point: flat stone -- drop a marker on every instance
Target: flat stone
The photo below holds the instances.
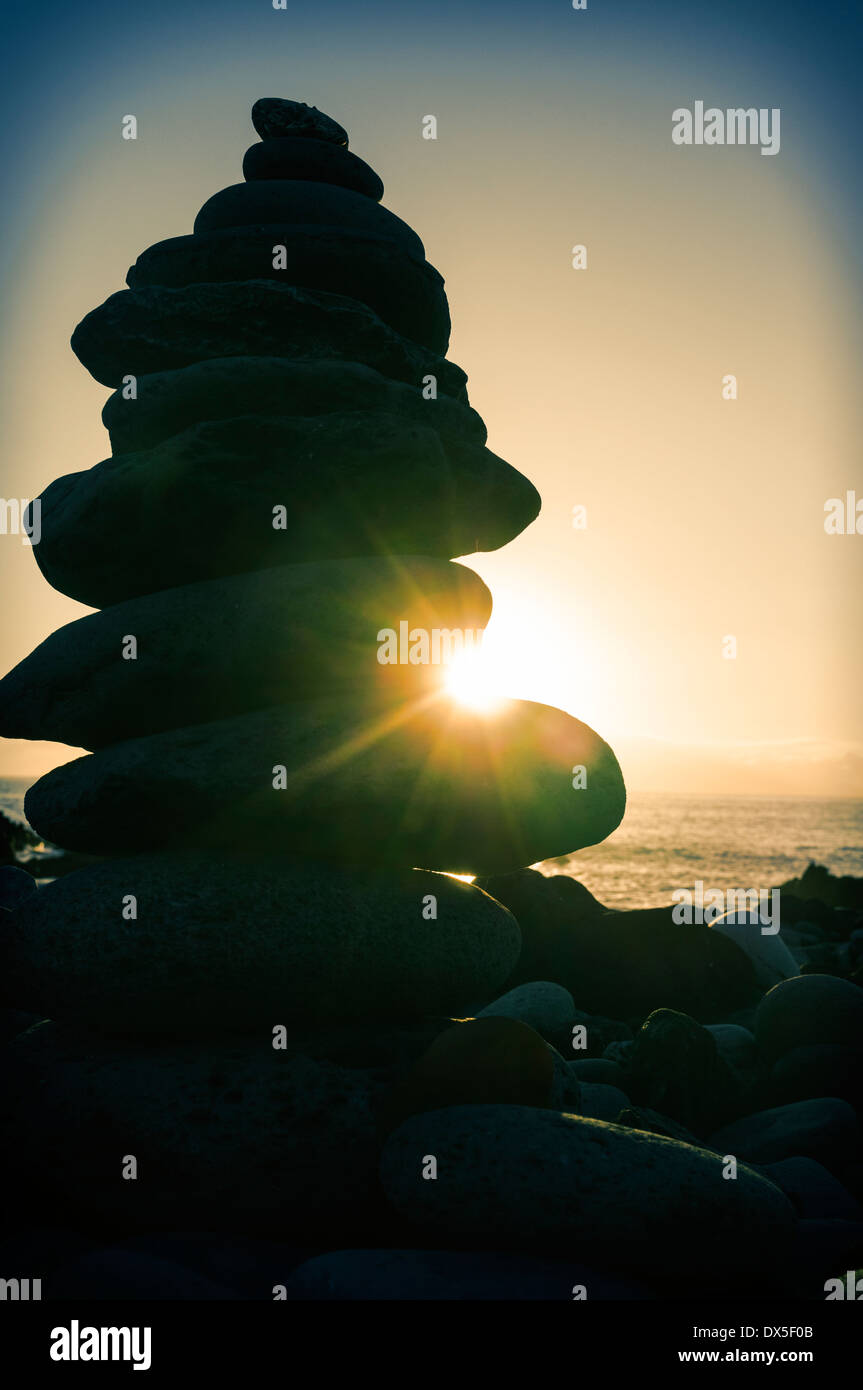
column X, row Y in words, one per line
column 161, row 327
column 302, row 203
column 301, row 157
column 407, row 293
column 536, row 1180
column 483, row 1061
column 348, row 484
column 222, row 945
column 207, row 651
column 274, row 117
column 454, row 1276
column 229, row 1136
column 441, row 787
column 809, row 1009
column 546, row 1007
column 621, row 964
column 770, row 957
column 223, row 388
column 826, row 1130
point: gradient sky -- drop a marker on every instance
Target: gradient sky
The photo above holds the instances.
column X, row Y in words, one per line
column 705, row 517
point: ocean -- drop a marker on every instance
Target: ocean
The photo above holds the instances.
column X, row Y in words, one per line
column 670, row 841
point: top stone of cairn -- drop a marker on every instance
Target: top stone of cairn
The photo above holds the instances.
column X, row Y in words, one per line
column 274, row 117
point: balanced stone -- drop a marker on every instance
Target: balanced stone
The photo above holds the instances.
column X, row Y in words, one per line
column 529, row 1178
column 301, row 203
column 302, row 157
column 224, row 387
column 221, row 946
column 154, row 329
column 232, row 1135
column 268, row 982
column 407, row 293
column 437, row 786
column 274, row 117
column 207, row 651
column 227, row 496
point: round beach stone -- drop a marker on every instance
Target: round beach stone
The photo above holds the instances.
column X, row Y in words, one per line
column 229, row 496
column 274, row 117
column 161, row 327
column 483, row 1061
column 652, row 1122
column 822, row 1069
column 223, row 388
column 541, row 1181
column 302, row 203
column 441, row 786
column 816, row 1194
column 226, row 945
column 302, row 157
column 600, row 1070
column 453, row 1276
column 825, row 1129
column 735, row 1045
column 770, row 957
column 207, row 651
column 114, row 1273
column 601, row 1102
column 542, row 1005
column 806, row 1010
column 621, row 964
column 229, row 1135
column 406, row 292
column 675, row 1068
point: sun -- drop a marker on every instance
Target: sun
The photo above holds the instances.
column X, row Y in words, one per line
column 471, row 680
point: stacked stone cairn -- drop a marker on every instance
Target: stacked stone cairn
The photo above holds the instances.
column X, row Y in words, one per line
column 266, row 1007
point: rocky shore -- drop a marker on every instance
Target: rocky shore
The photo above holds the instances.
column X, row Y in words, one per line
column 259, row 1042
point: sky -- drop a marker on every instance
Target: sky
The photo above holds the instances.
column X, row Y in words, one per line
column 604, row 385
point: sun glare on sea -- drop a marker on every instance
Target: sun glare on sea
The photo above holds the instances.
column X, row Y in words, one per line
column 472, row 681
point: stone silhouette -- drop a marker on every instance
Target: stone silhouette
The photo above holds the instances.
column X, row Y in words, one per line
column 271, row 938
